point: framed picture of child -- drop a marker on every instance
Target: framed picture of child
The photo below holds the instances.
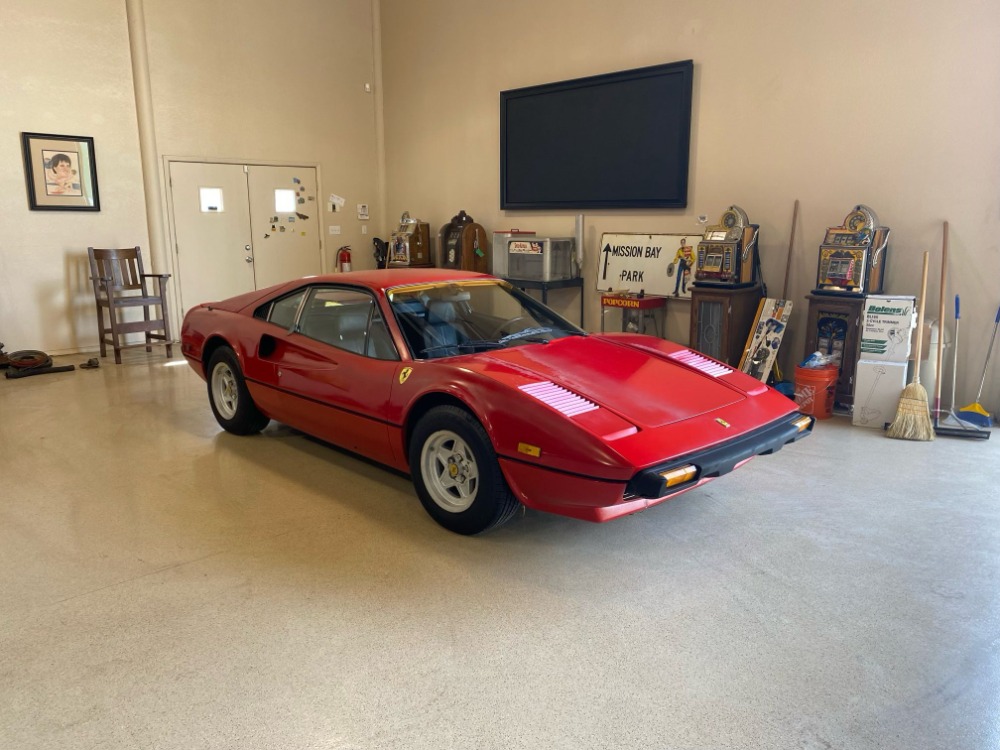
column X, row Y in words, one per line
column 61, row 172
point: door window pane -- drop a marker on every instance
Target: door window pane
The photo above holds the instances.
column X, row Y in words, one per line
column 211, row 199
column 284, row 201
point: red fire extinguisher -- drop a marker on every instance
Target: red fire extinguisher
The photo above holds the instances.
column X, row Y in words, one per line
column 344, row 259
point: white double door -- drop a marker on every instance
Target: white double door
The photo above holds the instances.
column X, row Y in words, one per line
column 241, row 227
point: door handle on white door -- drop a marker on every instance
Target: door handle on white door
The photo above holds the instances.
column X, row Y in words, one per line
column 249, row 259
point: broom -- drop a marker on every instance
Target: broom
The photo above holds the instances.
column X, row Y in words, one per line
column 952, row 425
column 913, row 418
column 975, row 412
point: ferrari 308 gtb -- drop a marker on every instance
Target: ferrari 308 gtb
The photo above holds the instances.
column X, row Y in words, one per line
column 486, row 397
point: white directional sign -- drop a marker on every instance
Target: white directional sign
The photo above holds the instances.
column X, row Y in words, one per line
column 658, row 264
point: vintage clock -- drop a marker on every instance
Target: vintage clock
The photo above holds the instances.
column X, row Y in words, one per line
column 727, row 253
column 852, row 257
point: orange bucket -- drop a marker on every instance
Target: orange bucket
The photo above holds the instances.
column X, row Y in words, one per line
column 814, row 389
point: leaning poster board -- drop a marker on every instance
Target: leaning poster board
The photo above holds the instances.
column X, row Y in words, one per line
column 765, row 337
column 655, row 264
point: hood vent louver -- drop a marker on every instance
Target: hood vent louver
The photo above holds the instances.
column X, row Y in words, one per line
column 700, row 363
column 559, row 398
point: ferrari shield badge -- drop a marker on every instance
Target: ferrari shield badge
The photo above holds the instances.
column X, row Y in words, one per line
column 404, row 374
column 721, row 421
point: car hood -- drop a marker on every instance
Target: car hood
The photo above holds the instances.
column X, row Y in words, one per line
column 646, row 387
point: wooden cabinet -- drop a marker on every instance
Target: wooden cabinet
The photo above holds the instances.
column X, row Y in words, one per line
column 721, row 319
column 834, row 327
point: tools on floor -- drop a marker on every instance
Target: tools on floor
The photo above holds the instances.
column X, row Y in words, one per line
column 953, row 425
column 30, row 362
column 974, row 412
column 913, row 419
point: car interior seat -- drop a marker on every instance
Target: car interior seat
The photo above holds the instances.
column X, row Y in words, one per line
column 412, row 317
column 441, row 332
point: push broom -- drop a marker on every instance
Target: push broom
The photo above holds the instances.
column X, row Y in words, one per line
column 974, row 412
column 913, row 418
column 953, row 425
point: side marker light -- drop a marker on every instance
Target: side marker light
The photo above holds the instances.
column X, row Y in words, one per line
column 680, row 475
column 803, row 422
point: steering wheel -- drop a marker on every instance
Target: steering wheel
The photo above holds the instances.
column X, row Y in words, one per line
column 500, row 328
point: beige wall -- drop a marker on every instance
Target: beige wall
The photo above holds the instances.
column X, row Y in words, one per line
column 272, row 82
column 260, row 80
column 64, row 69
column 886, row 102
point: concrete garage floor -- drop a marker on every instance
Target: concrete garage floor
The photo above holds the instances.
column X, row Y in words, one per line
column 166, row 585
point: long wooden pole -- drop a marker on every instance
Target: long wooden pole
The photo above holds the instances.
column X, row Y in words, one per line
column 940, row 341
column 791, row 242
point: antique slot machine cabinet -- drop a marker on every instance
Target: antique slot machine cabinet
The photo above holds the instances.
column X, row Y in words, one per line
column 727, row 253
column 727, row 287
column 851, row 266
column 410, row 244
column 852, row 256
column 464, row 244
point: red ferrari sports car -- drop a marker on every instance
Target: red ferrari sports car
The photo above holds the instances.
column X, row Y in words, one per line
column 485, row 396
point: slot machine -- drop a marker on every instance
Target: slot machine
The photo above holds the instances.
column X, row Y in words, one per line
column 410, row 244
column 852, row 257
column 464, row 245
column 727, row 253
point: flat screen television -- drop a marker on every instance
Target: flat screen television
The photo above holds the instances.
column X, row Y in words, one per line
column 617, row 140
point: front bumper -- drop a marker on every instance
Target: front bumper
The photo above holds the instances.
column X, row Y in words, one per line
column 594, row 499
column 714, row 462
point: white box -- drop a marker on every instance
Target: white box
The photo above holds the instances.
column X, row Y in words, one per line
column 877, row 386
column 886, row 323
column 541, row 258
column 499, row 266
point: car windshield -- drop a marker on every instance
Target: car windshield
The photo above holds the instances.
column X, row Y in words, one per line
column 451, row 318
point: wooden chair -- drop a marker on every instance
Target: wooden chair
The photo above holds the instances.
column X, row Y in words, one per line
column 120, row 284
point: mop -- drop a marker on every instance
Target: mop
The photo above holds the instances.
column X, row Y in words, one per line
column 975, row 412
column 953, row 425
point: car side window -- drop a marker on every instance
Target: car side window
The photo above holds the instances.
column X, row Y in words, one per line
column 380, row 344
column 282, row 312
column 347, row 319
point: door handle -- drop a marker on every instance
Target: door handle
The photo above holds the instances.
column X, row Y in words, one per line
column 249, row 259
column 247, row 248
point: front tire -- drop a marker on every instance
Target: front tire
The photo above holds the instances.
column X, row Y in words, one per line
column 456, row 473
column 234, row 410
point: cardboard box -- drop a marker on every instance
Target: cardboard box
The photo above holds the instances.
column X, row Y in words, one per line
column 877, row 386
column 886, row 325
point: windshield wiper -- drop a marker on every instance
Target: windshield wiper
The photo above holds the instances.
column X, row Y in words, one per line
column 526, row 333
column 480, row 344
column 472, row 344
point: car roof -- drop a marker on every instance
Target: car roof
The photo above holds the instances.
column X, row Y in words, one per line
column 378, row 280
column 387, row 278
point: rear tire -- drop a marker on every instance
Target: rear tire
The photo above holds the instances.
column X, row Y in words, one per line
column 456, row 473
column 234, row 410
